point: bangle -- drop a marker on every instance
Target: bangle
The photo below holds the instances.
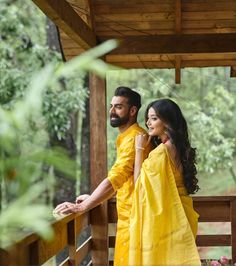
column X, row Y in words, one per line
column 139, row 148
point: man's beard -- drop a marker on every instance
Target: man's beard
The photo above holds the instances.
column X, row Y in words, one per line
column 118, row 121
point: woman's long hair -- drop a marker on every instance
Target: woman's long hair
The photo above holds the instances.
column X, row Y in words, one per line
column 177, row 131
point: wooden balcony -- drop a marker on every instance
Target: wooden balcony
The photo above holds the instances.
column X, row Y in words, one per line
column 32, row 250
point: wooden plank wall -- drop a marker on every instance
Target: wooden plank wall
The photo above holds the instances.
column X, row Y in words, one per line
column 117, row 19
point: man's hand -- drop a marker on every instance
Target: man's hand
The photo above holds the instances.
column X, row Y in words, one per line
column 85, row 202
column 82, row 198
column 68, row 207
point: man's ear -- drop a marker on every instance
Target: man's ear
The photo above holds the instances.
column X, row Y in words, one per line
column 133, row 111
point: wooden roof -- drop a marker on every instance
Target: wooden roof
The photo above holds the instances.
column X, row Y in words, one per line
column 153, row 33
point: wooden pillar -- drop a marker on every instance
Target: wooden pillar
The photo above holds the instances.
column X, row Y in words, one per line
column 233, row 228
column 232, row 71
column 72, row 242
column 177, row 69
column 98, row 167
column 178, row 26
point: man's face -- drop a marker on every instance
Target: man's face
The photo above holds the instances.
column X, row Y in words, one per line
column 119, row 111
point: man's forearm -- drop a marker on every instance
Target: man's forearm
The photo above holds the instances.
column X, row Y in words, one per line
column 103, row 192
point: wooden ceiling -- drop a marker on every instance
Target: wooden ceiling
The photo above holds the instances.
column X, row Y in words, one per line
column 153, row 33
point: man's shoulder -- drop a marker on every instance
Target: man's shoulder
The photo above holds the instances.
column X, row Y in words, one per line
column 128, row 138
column 136, row 129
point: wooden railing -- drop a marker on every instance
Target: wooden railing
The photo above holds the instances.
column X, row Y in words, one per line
column 32, row 250
column 211, row 209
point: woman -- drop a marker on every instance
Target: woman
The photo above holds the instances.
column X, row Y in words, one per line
column 163, row 222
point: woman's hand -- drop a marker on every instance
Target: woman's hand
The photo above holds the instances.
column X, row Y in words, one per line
column 142, row 141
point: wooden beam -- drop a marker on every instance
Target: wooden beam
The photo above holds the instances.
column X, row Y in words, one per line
column 83, row 8
column 65, row 17
column 213, row 240
column 178, row 44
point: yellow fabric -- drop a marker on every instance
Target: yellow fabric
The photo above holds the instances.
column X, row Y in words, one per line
column 121, row 178
column 163, row 223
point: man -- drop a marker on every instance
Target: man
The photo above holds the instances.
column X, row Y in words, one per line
column 124, row 109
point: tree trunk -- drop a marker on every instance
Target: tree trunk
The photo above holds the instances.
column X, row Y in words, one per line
column 65, row 186
column 85, row 151
column 231, row 170
column 53, row 40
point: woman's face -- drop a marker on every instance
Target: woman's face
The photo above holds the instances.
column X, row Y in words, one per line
column 155, row 126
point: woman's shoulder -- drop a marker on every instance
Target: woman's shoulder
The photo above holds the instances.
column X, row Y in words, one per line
column 156, row 158
column 159, row 150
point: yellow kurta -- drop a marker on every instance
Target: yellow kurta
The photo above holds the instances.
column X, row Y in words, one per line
column 163, row 223
column 121, row 178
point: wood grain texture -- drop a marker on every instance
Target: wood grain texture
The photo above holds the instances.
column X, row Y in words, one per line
column 98, row 167
column 65, row 17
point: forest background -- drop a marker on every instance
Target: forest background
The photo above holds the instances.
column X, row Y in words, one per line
column 28, row 43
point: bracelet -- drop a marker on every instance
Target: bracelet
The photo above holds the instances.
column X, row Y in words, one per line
column 139, row 148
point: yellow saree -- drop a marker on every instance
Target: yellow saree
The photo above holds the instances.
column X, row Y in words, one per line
column 163, row 222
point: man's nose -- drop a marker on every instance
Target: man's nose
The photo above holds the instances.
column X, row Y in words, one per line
column 112, row 110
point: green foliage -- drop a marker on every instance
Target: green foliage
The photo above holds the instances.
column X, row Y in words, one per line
column 23, row 52
column 215, row 148
column 207, row 98
column 19, row 170
column 25, row 215
column 60, row 103
column 25, row 173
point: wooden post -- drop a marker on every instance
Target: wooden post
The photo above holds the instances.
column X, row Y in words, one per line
column 71, row 232
column 98, row 167
column 233, row 228
column 177, row 69
column 178, row 26
column 232, row 71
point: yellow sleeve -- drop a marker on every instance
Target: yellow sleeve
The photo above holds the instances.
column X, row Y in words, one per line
column 123, row 169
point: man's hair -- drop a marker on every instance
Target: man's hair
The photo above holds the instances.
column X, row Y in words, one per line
column 134, row 98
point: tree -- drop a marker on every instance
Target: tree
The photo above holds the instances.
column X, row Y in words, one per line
column 24, row 52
